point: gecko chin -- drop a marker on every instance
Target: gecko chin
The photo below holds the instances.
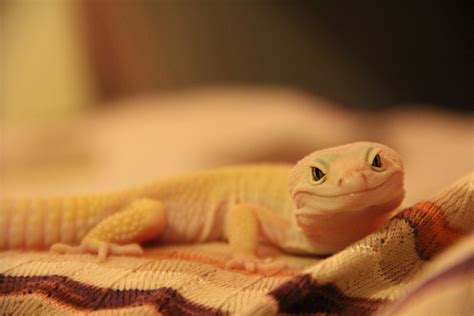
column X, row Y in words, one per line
column 335, row 222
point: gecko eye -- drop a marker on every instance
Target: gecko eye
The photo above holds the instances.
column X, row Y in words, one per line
column 377, row 162
column 317, row 174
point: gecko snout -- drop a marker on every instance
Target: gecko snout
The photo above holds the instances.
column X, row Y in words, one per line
column 355, row 180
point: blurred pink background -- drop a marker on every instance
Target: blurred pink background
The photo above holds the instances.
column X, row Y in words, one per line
column 98, row 96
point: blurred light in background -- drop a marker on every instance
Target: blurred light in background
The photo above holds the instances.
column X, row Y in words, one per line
column 99, row 95
column 367, row 55
column 62, row 54
column 46, row 70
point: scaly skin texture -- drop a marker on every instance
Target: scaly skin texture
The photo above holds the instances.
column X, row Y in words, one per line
column 300, row 209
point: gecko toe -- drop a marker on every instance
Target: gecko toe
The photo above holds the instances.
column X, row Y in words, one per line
column 103, row 250
column 250, row 266
column 255, row 264
column 126, row 250
column 272, row 267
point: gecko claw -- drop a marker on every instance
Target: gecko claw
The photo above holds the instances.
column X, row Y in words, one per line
column 254, row 264
column 102, row 250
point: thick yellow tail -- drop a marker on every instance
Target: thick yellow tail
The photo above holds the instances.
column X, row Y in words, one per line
column 39, row 223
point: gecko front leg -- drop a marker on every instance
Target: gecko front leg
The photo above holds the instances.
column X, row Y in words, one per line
column 121, row 233
column 243, row 225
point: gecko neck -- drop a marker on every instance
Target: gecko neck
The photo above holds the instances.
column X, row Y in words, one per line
column 334, row 231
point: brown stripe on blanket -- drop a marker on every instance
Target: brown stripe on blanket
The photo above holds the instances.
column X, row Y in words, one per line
column 303, row 295
column 431, row 229
column 81, row 296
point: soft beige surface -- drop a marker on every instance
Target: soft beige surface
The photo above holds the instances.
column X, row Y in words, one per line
column 141, row 139
column 425, row 249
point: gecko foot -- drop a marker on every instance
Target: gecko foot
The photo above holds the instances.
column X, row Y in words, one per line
column 102, row 249
column 254, row 264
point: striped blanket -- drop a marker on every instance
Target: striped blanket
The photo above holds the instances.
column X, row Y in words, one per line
column 421, row 263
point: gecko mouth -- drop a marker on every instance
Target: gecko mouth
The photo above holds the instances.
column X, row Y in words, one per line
column 356, row 192
column 374, row 188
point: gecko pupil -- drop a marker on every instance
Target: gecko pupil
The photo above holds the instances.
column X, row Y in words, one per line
column 317, row 173
column 377, row 162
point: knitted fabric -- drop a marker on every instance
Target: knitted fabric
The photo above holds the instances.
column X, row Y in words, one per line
column 421, row 262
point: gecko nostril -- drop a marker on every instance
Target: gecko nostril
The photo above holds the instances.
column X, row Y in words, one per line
column 340, row 181
column 365, row 178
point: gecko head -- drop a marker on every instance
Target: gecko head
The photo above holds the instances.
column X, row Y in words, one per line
column 361, row 179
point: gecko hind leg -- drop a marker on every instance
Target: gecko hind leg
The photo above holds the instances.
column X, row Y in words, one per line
column 121, row 233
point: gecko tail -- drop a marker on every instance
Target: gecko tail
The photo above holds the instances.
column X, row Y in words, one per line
column 32, row 223
column 38, row 223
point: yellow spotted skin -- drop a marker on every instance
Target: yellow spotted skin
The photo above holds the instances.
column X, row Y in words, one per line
column 282, row 205
column 189, row 208
column 137, row 222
